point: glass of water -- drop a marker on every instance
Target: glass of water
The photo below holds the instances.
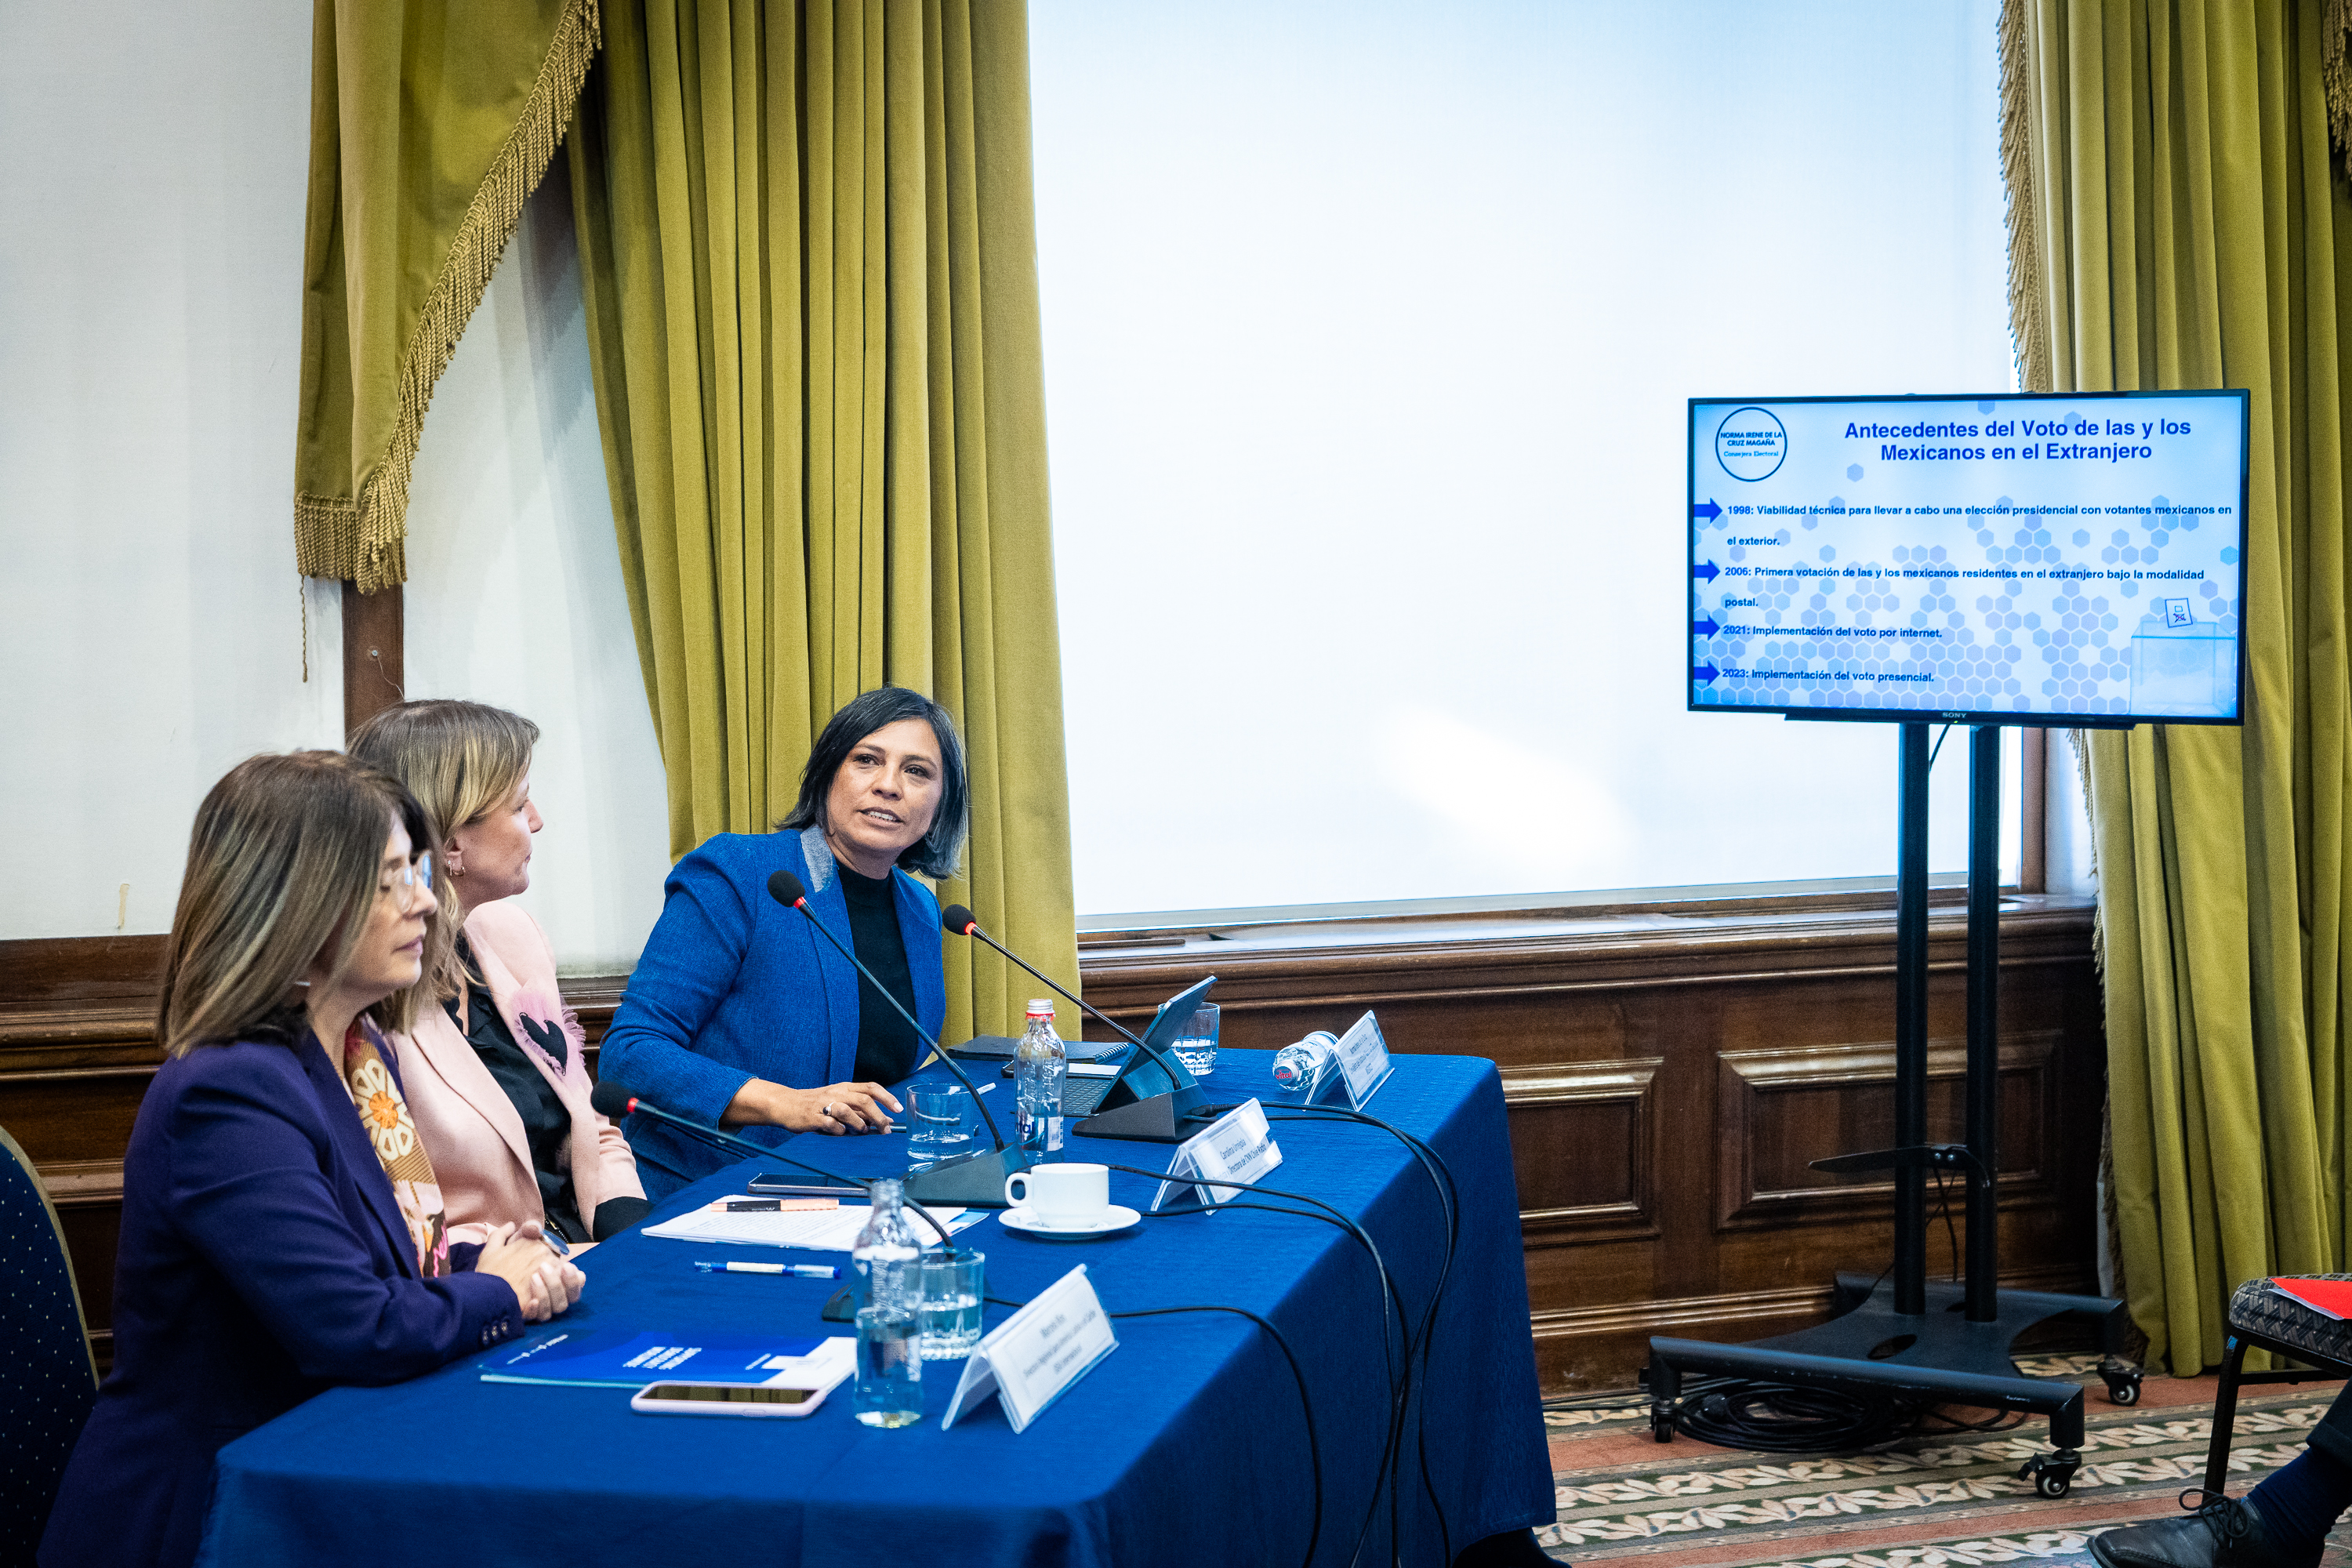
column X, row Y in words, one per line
column 953, row 1282
column 936, row 1129
column 1196, row 1047
column 889, row 1368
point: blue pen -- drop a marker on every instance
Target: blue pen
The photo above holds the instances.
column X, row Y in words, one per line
column 797, row 1270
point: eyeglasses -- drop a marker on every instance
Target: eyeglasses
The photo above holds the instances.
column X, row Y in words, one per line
column 417, row 873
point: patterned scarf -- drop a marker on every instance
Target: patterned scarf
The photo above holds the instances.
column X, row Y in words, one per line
column 384, row 1116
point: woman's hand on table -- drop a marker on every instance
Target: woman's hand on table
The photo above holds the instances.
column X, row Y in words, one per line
column 836, row 1108
column 544, row 1285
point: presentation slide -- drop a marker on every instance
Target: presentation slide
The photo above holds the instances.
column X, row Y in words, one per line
column 2011, row 559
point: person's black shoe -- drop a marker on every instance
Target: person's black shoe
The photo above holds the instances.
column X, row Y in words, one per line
column 1512, row 1548
column 2227, row 1533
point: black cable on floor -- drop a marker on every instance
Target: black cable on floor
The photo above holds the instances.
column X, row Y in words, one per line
column 1776, row 1418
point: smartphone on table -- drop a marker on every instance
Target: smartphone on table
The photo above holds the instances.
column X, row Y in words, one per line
column 726, row 1399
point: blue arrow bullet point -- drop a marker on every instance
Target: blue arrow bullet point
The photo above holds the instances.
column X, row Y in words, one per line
column 1704, row 627
column 1704, row 674
column 1706, row 570
column 1706, row 510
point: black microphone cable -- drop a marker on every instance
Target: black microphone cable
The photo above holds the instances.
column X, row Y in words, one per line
column 1449, row 1203
column 1298, row 1373
column 736, row 1146
column 1399, row 1389
column 787, row 889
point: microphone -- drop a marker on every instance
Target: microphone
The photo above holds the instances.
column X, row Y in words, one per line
column 972, row 1181
column 959, row 921
column 610, row 1099
column 1124, row 1112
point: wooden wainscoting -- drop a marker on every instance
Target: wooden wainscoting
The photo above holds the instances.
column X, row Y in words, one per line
column 1669, row 1078
column 1669, row 1075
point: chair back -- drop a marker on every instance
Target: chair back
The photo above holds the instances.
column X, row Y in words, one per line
column 47, row 1377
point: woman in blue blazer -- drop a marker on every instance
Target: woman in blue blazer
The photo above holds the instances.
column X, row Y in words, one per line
column 740, row 1015
column 282, row 1228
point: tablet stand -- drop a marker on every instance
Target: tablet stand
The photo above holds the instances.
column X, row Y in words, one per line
column 1945, row 1340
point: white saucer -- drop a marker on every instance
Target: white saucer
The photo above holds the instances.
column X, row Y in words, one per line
column 1115, row 1217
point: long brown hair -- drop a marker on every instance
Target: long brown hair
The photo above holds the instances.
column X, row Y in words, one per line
column 461, row 760
column 282, row 874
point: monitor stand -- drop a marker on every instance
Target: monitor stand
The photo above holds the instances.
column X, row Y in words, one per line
column 1948, row 1340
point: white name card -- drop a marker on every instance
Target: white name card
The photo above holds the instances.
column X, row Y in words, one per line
column 1032, row 1358
column 1237, row 1146
column 1362, row 1058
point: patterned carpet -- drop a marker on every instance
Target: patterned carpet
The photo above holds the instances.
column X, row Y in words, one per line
column 1941, row 1499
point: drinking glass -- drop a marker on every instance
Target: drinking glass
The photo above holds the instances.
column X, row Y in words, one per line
column 937, row 1129
column 889, row 1368
column 1196, row 1047
column 953, row 1280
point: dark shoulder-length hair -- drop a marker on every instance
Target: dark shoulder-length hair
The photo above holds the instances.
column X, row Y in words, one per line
column 935, row 854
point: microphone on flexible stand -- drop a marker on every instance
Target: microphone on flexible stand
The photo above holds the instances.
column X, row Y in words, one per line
column 1149, row 1112
column 610, row 1099
column 969, row 1180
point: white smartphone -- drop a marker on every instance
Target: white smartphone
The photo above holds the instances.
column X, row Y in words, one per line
column 726, row 1399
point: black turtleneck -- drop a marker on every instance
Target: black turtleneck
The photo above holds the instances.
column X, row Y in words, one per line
column 887, row 1049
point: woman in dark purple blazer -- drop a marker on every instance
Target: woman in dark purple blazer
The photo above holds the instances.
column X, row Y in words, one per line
column 281, row 1228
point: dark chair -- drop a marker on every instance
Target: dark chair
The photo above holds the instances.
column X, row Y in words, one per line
column 2262, row 1315
column 47, row 1379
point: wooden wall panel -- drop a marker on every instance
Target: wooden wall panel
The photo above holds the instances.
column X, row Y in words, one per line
column 1668, row 1076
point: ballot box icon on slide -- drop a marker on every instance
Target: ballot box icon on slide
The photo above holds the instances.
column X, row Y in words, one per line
column 2180, row 665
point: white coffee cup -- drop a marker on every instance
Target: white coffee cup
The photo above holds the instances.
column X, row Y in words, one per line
column 1064, row 1195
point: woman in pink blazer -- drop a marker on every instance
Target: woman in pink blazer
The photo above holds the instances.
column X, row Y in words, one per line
column 497, row 1076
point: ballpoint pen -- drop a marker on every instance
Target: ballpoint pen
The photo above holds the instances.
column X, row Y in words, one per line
column 798, row 1270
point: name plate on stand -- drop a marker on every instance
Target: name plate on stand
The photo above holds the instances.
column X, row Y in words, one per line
column 1237, row 1146
column 1359, row 1065
column 1032, row 1358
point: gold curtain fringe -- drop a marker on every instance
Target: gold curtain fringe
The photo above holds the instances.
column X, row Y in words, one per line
column 2029, row 330
column 2336, row 74
column 365, row 540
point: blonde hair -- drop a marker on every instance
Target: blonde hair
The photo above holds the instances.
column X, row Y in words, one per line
column 283, row 870
column 461, row 760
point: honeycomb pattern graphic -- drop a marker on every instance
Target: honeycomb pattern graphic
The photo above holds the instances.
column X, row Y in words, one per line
column 1823, row 632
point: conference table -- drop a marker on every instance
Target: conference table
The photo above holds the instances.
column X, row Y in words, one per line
column 1186, row 1446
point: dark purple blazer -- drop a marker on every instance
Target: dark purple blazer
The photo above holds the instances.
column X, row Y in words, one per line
column 263, row 1259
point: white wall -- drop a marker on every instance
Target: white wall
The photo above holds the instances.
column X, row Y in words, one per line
column 1369, row 329
column 2069, row 868
column 515, row 596
column 151, row 620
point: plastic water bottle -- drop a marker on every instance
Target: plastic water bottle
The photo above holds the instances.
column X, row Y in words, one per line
column 1295, row 1065
column 884, row 1269
column 1040, row 1064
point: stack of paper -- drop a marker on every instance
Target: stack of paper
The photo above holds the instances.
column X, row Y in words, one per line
column 820, row 1230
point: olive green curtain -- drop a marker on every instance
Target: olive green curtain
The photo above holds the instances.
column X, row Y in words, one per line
column 430, row 121
column 2179, row 220
column 808, row 251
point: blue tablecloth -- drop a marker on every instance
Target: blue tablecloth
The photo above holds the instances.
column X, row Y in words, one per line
column 1187, row 1445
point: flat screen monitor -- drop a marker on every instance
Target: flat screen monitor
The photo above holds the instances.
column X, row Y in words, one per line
column 2057, row 559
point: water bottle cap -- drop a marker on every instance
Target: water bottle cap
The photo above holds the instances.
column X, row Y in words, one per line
column 1041, row 1007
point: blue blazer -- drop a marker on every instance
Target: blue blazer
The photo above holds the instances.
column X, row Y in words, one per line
column 733, row 986
column 263, row 1259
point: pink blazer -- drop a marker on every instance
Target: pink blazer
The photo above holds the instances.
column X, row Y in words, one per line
column 470, row 1129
